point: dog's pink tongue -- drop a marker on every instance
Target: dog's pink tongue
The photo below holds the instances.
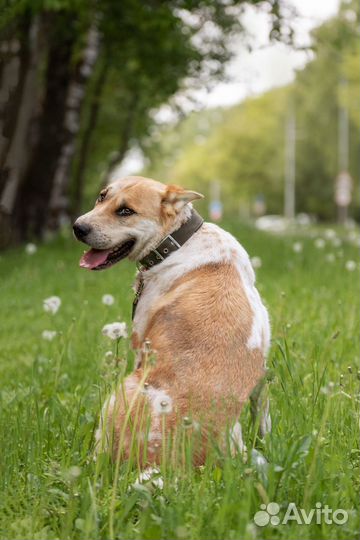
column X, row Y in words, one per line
column 93, row 258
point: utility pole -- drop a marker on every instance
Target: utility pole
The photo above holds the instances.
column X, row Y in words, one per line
column 290, row 171
column 343, row 185
column 343, row 134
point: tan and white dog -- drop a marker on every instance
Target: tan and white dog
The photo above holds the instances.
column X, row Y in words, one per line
column 198, row 308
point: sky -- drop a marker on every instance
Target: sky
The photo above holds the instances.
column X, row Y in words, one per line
column 268, row 65
column 252, row 73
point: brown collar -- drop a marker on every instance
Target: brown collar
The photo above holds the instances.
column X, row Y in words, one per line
column 173, row 241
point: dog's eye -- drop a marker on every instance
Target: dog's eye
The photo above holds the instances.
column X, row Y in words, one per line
column 125, row 211
column 102, row 196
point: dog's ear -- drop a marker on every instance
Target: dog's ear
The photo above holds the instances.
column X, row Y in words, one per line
column 175, row 198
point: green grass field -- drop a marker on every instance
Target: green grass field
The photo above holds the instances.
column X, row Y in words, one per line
column 51, row 393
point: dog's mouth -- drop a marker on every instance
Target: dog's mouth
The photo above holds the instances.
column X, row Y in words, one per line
column 99, row 259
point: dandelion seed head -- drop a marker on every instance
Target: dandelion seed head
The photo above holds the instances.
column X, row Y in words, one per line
column 108, row 299
column 353, row 236
column 115, row 330
column 74, row 471
column 52, row 304
column 30, row 249
column 350, row 266
column 297, row 247
column 256, row 262
column 319, row 243
column 330, row 234
column 48, row 335
column 161, row 402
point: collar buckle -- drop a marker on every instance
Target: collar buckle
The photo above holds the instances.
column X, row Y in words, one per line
column 172, row 240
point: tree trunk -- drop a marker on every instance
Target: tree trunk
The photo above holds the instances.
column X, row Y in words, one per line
column 14, row 65
column 89, row 130
column 11, row 83
column 17, row 118
column 59, row 203
column 31, row 204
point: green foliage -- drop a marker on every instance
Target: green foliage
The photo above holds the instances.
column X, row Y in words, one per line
column 351, row 73
column 240, row 151
column 317, row 99
column 245, row 148
column 51, row 394
column 150, row 50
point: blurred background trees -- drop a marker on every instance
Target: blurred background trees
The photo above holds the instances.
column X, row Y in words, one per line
column 78, row 75
column 244, row 146
column 80, row 82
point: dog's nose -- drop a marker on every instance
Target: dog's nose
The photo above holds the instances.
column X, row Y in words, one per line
column 81, row 230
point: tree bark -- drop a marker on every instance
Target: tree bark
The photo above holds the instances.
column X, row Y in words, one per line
column 14, row 66
column 85, row 142
column 31, row 204
column 11, row 82
column 17, row 116
column 59, row 203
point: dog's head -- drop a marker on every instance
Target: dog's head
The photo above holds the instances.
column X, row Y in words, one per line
column 130, row 218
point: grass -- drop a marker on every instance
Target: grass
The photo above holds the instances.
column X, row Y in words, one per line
column 51, row 394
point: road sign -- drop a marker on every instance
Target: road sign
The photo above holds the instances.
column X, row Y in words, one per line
column 343, row 189
column 215, row 210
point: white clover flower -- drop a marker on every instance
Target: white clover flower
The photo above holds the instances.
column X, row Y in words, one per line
column 115, row 330
column 330, row 257
column 330, row 234
column 108, row 299
column 52, row 304
column 350, row 266
column 336, row 242
column 48, row 335
column 297, row 247
column 30, row 249
column 256, row 262
column 319, row 243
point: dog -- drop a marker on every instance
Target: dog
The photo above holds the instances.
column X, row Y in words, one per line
column 196, row 307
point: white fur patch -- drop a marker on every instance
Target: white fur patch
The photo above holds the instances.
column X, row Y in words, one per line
column 150, row 475
column 210, row 244
column 265, row 419
column 236, row 440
